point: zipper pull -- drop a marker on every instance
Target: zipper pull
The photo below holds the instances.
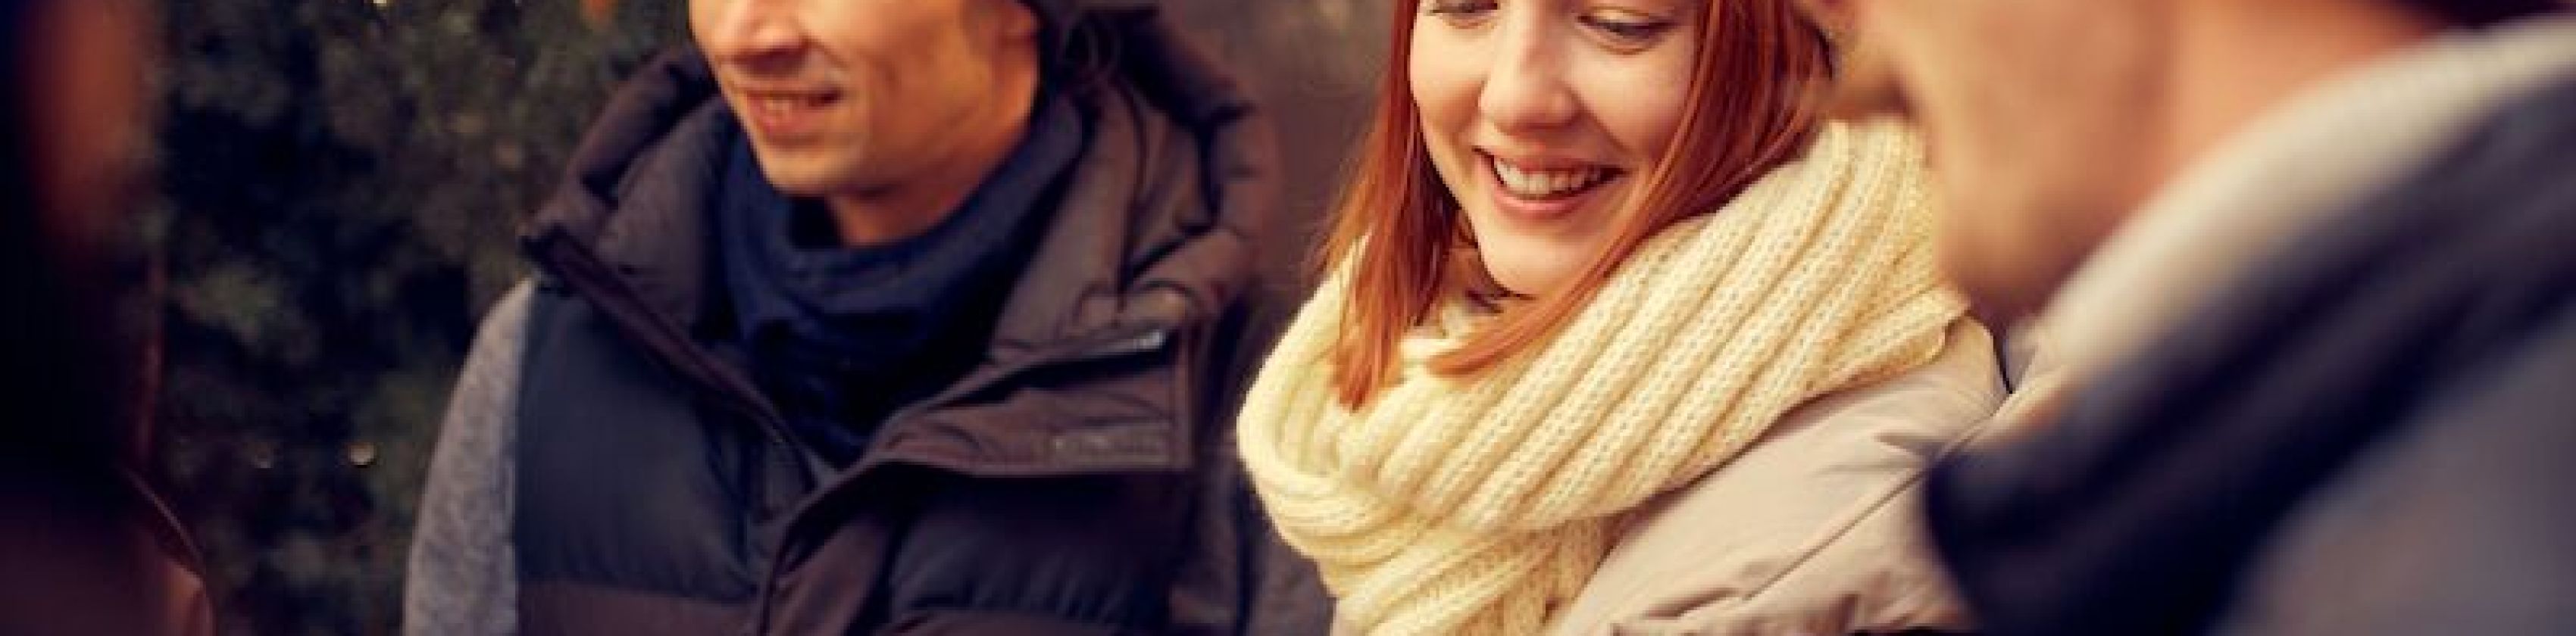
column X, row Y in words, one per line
column 1147, row 342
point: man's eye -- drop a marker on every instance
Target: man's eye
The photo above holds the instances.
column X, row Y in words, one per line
column 1627, row 28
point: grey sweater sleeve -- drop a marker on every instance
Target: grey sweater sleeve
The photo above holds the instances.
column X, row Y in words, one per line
column 463, row 576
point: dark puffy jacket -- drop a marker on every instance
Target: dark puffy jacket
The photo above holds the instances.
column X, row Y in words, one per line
column 2371, row 435
column 605, row 471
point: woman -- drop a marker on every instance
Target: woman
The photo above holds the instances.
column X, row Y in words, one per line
column 1618, row 337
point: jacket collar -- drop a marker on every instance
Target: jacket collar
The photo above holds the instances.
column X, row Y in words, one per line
column 1151, row 234
column 2290, row 171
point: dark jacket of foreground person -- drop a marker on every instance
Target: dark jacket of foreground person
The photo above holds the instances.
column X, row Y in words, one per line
column 609, row 468
column 2371, row 431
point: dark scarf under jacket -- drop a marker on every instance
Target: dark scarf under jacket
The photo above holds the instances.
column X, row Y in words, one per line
column 840, row 337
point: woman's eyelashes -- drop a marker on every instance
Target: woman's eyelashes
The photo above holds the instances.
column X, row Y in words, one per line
column 1621, row 28
column 1461, row 12
column 1624, row 28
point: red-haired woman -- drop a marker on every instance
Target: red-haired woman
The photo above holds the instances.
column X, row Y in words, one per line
column 1617, row 335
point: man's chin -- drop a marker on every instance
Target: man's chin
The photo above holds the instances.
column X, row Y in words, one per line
column 799, row 179
column 2000, row 294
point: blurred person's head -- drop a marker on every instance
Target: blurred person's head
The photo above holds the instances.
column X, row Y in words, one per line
column 1526, row 147
column 73, row 104
column 894, row 107
column 76, row 112
column 2050, row 122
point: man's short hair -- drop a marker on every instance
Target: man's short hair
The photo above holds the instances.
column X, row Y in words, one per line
column 2485, row 12
column 1055, row 22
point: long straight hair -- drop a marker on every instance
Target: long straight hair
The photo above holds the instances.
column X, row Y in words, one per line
column 1757, row 62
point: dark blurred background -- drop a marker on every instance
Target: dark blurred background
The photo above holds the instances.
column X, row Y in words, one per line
column 342, row 180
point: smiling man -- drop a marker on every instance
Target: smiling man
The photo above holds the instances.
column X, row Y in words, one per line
column 876, row 316
column 2304, row 278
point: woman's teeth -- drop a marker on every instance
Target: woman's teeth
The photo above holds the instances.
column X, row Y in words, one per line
column 1545, row 184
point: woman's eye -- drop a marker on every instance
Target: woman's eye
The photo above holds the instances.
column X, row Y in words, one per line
column 1459, row 10
column 1626, row 28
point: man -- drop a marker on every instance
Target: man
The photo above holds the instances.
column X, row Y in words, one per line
column 877, row 316
column 2304, row 274
column 86, row 544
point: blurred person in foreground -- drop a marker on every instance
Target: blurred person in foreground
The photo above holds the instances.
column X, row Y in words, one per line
column 86, row 545
column 876, row 316
column 1618, row 337
column 2304, row 279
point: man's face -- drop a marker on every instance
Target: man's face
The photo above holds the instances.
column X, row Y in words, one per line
column 859, row 96
column 2044, row 121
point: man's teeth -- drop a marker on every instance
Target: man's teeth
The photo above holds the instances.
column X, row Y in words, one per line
column 783, row 104
column 1547, row 183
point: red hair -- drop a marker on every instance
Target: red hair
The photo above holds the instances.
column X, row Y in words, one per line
column 1747, row 113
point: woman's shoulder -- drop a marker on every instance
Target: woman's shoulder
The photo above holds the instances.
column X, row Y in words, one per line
column 1814, row 527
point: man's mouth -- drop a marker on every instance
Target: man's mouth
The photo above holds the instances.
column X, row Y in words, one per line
column 787, row 116
column 786, row 103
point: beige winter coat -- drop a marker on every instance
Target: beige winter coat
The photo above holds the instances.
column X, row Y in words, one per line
column 1814, row 530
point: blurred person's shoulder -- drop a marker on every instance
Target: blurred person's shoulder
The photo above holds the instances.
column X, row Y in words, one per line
column 91, row 552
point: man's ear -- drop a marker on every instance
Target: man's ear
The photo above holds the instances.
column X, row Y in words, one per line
column 1019, row 20
column 1864, row 84
column 598, row 11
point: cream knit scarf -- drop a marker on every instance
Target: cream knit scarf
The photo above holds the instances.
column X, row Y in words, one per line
column 1481, row 505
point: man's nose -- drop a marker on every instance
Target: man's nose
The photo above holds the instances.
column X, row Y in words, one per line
column 751, row 35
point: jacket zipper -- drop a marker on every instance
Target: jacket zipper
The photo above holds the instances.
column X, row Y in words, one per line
column 583, row 268
column 1112, row 344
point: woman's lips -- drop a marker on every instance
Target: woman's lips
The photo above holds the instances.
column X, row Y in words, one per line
column 1544, row 193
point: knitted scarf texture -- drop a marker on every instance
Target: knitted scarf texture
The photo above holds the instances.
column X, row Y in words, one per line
column 1482, row 504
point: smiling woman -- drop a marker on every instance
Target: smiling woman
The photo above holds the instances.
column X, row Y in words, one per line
column 1603, row 289
column 1657, row 109
column 1532, row 114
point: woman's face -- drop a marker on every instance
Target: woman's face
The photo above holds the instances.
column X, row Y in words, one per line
column 1542, row 115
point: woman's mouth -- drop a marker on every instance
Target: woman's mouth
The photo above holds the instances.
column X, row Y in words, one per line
column 1546, row 190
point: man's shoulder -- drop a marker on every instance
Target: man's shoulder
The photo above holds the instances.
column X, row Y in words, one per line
column 2549, row 111
column 654, row 137
column 491, row 371
column 2493, row 218
column 504, row 325
column 2527, row 140
column 2489, row 217
column 2448, row 526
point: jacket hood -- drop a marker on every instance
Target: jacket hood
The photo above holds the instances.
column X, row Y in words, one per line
column 635, row 195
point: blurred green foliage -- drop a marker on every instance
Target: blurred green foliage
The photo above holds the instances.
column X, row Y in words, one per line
column 342, row 182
